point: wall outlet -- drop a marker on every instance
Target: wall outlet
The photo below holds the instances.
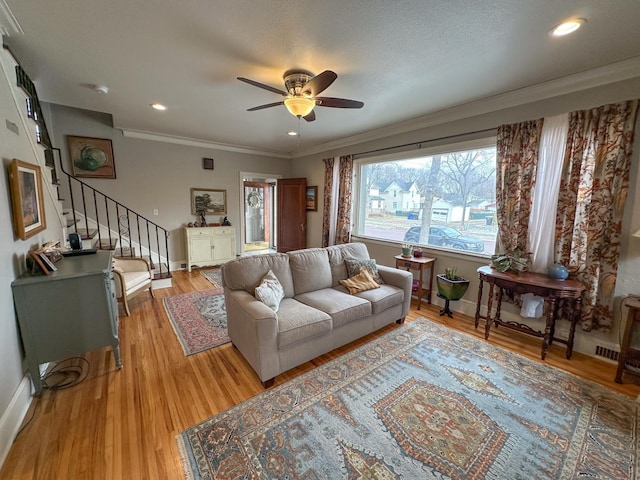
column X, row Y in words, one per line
column 155, row 211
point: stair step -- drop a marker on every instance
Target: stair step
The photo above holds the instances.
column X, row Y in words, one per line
column 86, row 235
column 110, row 245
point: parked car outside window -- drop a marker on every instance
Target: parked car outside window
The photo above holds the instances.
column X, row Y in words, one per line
column 445, row 236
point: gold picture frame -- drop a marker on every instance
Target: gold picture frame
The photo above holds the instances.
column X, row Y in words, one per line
column 312, row 199
column 91, row 157
column 26, row 198
column 213, row 202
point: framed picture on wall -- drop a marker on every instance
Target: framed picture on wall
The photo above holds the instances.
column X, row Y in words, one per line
column 26, row 199
column 312, row 199
column 213, row 202
column 91, row 157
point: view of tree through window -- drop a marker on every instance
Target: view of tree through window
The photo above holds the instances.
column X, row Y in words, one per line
column 443, row 200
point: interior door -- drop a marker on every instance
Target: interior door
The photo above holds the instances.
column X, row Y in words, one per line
column 257, row 222
column 292, row 214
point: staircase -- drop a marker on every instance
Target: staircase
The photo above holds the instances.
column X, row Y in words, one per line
column 101, row 221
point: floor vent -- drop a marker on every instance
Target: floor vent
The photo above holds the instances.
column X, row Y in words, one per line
column 607, row 353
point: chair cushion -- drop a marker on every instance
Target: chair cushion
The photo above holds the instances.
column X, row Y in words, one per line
column 360, row 282
column 270, row 291
column 134, row 280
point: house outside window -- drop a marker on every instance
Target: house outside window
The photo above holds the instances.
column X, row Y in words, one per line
column 440, row 198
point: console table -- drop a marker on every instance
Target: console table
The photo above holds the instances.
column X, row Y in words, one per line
column 69, row 312
column 529, row 282
column 420, row 264
column 209, row 245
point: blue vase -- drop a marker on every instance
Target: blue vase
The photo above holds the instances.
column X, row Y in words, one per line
column 557, row 271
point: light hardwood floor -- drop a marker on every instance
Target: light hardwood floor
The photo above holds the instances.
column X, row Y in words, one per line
column 122, row 424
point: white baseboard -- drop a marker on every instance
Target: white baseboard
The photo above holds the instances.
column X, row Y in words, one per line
column 13, row 416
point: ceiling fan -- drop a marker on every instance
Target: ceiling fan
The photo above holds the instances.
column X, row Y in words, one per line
column 301, row 95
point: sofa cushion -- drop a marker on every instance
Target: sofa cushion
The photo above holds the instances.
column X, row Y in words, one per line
column 246, row 273
column 342, row 307
column 354, row 267
column 310, row 269
column 360, row 282
column 339, row 253
column 298, row 322
column 270, row 291
column 380, row 298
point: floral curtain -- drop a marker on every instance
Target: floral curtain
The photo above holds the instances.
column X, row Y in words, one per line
column 345, row 196
column 328, row 201
column 517, row 157
column 593, row 191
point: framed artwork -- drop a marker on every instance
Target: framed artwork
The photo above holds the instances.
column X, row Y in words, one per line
column 91, row 157
column 27, row 199
column 312, row 199
column 207, row 163
column 212, row 202
column 38, row 263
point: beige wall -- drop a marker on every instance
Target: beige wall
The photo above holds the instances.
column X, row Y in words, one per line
column 156, row 175
column 628, row 280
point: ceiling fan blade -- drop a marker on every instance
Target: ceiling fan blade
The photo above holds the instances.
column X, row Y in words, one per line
column 263, row 86
column 319, row 83
column 268, row 105
column 337, row 102
column 310, row 117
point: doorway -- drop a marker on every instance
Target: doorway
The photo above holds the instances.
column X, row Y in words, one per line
column 259, row 227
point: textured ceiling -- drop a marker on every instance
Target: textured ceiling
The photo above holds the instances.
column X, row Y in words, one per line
column 403, row 59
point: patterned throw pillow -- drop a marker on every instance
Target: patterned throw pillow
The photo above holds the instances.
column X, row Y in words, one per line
column 361, row 282
column 270, row 291
column 354, row 266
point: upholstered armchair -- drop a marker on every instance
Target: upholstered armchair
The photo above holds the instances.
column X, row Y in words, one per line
column 132, row 275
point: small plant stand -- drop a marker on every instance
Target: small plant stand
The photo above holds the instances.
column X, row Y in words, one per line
column 450, row 290
column 446, row 310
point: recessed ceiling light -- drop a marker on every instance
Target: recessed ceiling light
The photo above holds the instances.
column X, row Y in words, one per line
column 565, row 28
column 158, row 106
column 292, row 133
column 100, row 89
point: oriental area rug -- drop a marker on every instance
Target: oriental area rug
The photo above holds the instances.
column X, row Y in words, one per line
column 422, row 402
column 199, row 319
column 213, row 275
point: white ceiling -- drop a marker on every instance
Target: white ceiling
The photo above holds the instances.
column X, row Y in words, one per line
column 404, row 59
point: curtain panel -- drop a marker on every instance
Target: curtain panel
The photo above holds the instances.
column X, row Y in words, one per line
column 345, row 196
column 517, row 157
column 328, row 202
column 593, row 192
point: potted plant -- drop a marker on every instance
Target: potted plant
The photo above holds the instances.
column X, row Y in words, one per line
column 450, row 285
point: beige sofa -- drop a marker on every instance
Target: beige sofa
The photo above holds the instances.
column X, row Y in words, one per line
column 316, row 315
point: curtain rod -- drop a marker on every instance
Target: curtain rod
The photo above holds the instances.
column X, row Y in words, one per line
column 426, row 141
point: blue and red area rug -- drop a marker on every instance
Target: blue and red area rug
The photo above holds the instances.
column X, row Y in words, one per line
column 199, row 319
column 422, row 402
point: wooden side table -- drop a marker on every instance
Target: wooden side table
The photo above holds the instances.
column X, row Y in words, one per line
column 629, row 354
column 420, row 264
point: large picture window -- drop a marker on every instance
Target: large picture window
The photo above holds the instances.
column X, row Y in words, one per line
column 440, row 198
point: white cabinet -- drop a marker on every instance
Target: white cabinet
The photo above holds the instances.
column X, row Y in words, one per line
column 210, row 246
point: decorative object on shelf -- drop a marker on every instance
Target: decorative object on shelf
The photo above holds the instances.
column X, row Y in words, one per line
column 450, row 287
column 407, row 250
column 557, row 271
column 27, row 199
column 91, row 157
column 203, row 218
column 207, row 163
column 417, row 252
column 516, row 261
column 312, row 198
column 226, row 222
column 214, row 202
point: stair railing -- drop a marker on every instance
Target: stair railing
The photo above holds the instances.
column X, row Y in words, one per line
column 117, row 226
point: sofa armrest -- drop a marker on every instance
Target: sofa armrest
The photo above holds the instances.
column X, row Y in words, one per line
column 253, row 329
column 401, row 279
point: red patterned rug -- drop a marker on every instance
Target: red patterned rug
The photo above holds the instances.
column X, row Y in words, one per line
column 199, row 319
column 422, row 402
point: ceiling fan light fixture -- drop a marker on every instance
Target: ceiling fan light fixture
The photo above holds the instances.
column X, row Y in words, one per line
column 299, row 106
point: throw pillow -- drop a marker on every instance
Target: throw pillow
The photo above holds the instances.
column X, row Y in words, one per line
column 359, row 283
column 270, row 291
column 354, row 266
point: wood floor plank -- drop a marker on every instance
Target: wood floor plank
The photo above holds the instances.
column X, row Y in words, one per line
column 121, row 424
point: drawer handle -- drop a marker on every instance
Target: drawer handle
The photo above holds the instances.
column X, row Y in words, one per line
column 407, row 264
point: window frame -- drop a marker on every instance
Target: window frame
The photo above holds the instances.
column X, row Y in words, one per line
column 358, row 213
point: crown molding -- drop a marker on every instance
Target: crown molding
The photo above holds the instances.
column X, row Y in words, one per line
column 192, row 142
column 8, row 22
column 615, row 72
